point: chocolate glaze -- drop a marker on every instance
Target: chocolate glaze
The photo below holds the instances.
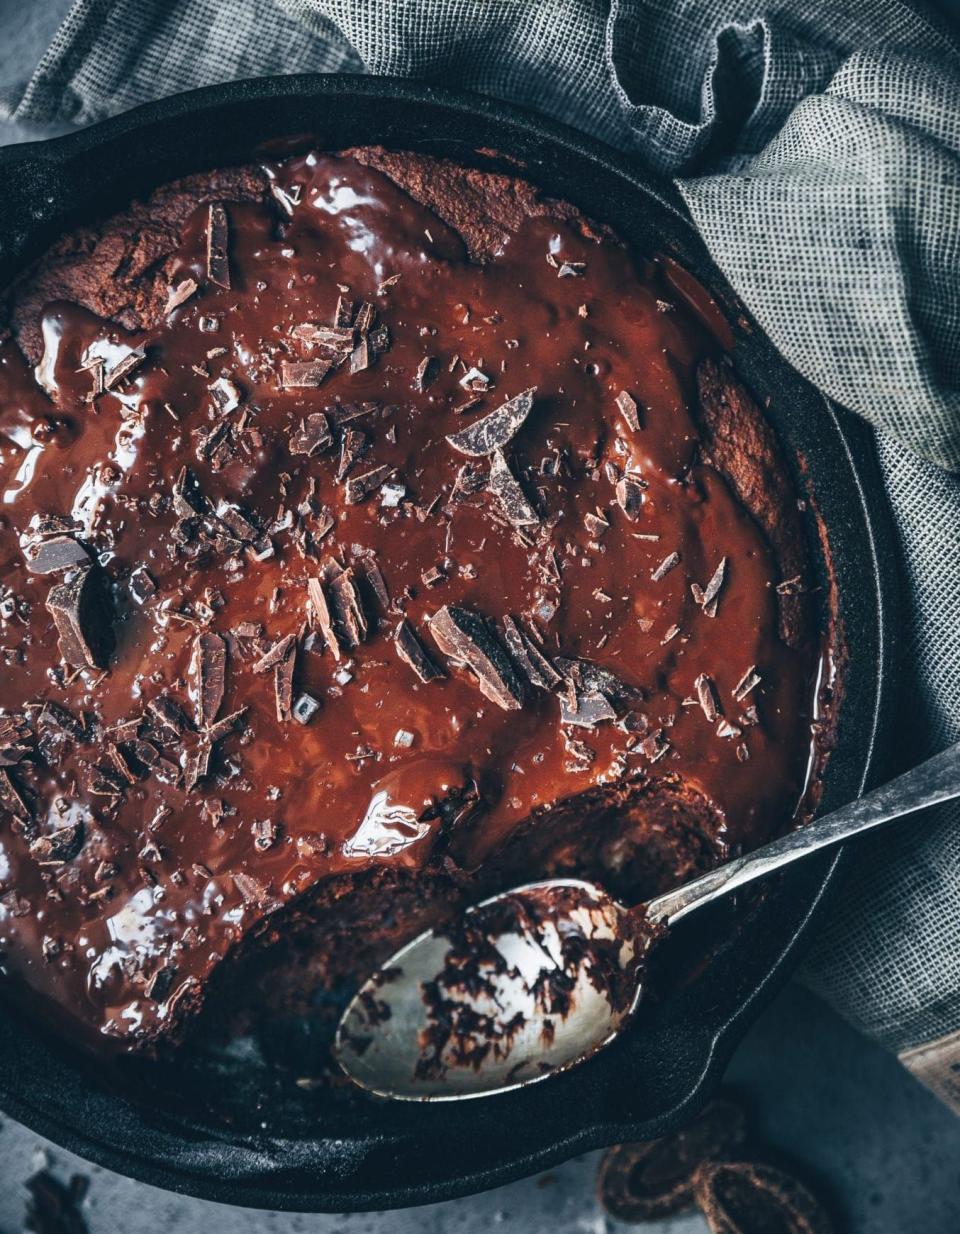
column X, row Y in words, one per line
column 242, row 746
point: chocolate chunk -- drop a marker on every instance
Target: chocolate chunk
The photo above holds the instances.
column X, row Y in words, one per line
column 360, row 487
column 58, row 846
column 124, row 367
column 179, row 295
column 64, row 721
column 169, row 715
column 55, row 553
column 653, row 1179
column 665, row 566
column 348, row 608
column 313, row 436
column 629, row 410
column 591, row 694
column 466, row 639
column 218, row 263
column 303, row 374
column 527, row 656
column 226, row 395
column 322, row 615
column 745, row 1197
column 506, row 488
column 411, row 651
column 82, row 612
column 707, row 696
column 655, row 746
column 305, row 708
column 495, row 430
column 361, row 356
column 629, row 492
column 283, row 681
column 596, row 524
column 208, row 668
column 571, row 269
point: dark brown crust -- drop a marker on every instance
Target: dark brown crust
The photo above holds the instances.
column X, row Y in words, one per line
column 740, row 444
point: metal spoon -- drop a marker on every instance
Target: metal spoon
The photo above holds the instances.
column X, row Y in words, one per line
column 538, row 979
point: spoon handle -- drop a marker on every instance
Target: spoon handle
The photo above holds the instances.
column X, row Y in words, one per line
column 936, row 780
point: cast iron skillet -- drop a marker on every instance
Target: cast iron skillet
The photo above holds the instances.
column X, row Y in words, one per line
column 238, row 1133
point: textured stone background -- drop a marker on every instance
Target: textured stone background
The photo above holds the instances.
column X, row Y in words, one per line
column 884, row 1150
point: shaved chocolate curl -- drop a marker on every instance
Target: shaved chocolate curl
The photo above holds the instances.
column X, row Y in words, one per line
column 208, row 668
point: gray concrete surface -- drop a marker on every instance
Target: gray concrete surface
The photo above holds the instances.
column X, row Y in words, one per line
column 885, row 1150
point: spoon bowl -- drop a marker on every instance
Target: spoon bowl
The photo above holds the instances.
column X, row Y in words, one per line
column 524, row 985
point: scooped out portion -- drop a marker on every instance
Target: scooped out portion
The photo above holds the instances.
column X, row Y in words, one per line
column 376, row 532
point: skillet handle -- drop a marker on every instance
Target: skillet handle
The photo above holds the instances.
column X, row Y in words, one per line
column 935, row 781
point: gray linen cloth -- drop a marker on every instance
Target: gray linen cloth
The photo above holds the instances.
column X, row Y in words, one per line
column 817, row 145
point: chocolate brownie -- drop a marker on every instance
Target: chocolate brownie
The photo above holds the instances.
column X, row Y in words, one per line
column 376, row 531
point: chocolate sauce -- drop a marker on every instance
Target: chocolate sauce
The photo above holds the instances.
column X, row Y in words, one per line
column 267, row 492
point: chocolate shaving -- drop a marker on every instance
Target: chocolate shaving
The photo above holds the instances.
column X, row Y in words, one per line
column 283, row 681
column 124, row 367
column 322, row 615
column 179, row 295
column 348, row 608
column 494, row 431
column 169, row 715
column 353, row 445
column 82, row 612
column 707, row 696
column 313, row 436
column 466, row 639
column 426, row 372
column 161, row 983
column 629, row 492
column 12, row 799
column 208, row 667
column 711, row 593
column 665, row 566
column 55, row 716
column 303, row 374
column 218, row 263
column 197, row 764
column 629, row 410
column 411, row 651
column 276, row 655
column 343, row 316
column 360, row 487
column 748, row 682
column 506, row 488
column 217, row 732
column 529, row 659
